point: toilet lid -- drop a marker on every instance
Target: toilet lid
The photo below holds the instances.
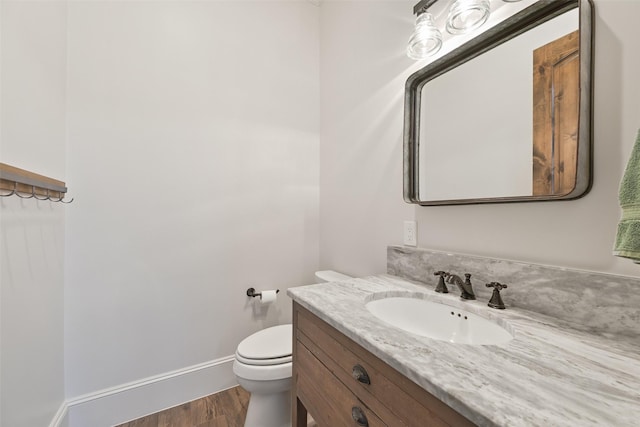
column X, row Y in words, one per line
column 270, row 343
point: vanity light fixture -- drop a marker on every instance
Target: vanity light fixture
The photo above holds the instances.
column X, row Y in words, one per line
column 463, row 17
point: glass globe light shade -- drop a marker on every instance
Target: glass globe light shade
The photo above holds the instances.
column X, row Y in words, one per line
column 467, row 15
column 426, row 39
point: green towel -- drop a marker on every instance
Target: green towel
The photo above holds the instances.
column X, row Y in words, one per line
column 628, row 237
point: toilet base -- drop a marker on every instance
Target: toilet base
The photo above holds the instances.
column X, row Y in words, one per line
column 269, row 410
column 269, row 403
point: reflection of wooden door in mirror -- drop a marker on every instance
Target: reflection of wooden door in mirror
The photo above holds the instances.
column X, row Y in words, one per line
column 556, row 97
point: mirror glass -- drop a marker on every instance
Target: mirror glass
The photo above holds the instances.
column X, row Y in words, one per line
column 504, row 125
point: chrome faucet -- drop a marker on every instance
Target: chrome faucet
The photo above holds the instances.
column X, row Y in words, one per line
column 465, row 286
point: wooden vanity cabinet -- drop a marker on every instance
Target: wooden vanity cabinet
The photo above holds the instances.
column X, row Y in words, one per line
column 341, row 384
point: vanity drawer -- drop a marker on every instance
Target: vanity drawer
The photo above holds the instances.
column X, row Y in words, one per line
column 397, row 400
column 325, row 397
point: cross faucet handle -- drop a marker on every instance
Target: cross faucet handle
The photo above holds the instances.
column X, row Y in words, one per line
column 496, row 285
column 441, row 287
column 496, row 299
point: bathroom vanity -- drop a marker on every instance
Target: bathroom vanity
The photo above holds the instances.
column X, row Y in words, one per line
column 341, row 383
column 353, row 369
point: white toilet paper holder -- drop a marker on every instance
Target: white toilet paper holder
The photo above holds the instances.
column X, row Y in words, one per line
column 251, row 292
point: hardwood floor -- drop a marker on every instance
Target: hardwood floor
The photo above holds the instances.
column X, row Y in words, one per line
column 225, row 409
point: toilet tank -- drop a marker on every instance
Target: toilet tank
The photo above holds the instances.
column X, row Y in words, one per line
column 330, row 276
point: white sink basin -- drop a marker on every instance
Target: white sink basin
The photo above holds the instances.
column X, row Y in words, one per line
column 438, row 321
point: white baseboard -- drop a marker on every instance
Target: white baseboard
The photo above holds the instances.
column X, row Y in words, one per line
column 61, row 418
column 126, row 402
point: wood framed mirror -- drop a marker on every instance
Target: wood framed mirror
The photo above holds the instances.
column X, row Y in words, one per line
column 507, row 116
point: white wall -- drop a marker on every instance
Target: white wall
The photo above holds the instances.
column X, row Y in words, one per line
column 363, row 71
column 193, row 150
column 32, row 136
column 362, row 80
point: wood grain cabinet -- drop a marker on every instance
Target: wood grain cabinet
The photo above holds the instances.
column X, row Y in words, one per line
column 341, row 384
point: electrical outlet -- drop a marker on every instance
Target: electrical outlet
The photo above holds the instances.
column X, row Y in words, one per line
column 410, row 233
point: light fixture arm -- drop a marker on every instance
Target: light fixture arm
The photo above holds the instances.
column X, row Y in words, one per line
column 422, row 6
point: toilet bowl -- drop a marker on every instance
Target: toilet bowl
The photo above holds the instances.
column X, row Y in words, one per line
column 262, row 367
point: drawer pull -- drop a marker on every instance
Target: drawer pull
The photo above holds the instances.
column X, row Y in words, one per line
column 359, row 417
column 360, row 374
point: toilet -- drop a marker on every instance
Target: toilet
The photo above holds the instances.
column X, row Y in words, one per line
column 263, row 367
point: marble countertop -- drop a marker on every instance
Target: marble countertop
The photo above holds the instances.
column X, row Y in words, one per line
column 550, row 374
